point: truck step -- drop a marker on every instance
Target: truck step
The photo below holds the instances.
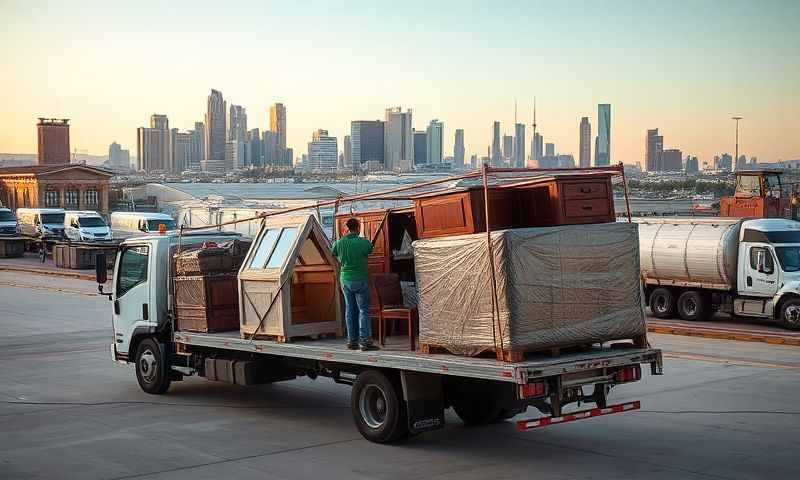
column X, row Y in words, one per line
column 523, row 425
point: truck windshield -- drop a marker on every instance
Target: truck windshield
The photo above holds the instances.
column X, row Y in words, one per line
column 152, row 225
column 92, row 222
column 7, row 217
column 789, row 257
column 51, row 218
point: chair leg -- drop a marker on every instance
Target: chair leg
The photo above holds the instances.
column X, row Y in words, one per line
column 381, row 332
column 411, row 334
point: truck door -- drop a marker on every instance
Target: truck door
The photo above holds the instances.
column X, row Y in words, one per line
column 132, row 295
column 760, row 274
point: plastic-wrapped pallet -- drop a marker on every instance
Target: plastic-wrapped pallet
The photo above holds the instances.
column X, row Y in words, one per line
column 557, row 286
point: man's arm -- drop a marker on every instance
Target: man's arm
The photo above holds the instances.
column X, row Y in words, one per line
column 335, row 249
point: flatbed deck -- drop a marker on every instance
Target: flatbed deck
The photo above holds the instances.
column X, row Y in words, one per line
column 334, row 350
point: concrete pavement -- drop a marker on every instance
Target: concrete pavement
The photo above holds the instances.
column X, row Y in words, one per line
column 723, row 410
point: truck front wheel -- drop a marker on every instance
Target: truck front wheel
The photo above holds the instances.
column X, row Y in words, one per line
column 378, row 408
column 151, row 367
column 790, row 314
column 662, row 303
column 693, row 306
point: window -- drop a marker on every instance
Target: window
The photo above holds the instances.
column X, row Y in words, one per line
column 152, row 225
column 748, row 185
column 789, row 258
column 769, row 263
column 132, row 269
column 53, row 218
column 90, row 197
column 71, row 197
column 91, row 222
column 274, row 248
column 51, row 198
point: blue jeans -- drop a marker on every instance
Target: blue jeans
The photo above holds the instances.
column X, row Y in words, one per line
column 356, row 305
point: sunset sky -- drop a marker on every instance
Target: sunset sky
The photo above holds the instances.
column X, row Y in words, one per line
column 682, row 67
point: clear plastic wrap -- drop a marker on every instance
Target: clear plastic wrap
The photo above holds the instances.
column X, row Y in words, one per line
column 556, row 286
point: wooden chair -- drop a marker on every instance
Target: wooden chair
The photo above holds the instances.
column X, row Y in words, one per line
column 391, row 306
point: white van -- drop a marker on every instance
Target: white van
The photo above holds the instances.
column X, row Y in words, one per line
column 41, row 222
column 131, row 224
column 86, row 225
column 8, row 222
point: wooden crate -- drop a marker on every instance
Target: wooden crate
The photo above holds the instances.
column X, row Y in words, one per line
column 12, row 247
column 207, row 303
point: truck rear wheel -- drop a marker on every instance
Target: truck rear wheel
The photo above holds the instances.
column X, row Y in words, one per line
column 151, row 367
column 693, row 306
column 478, row 409
column 378, row 408
column 790, row 314
column 662, row 303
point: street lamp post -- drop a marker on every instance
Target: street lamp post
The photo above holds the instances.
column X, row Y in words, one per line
column 736, row 157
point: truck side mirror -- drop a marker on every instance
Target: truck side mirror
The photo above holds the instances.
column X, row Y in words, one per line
column 100, row 268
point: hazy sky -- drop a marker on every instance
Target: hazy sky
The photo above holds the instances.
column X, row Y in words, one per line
column 683, row 67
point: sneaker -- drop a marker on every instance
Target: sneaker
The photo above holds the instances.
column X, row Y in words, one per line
column 352, row 346
column 368, row 347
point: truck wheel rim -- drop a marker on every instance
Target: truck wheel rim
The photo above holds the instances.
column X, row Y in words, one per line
column 148, row 366
column 792, row 314
column 661, row 304
column 690, row 306
column 372, row 405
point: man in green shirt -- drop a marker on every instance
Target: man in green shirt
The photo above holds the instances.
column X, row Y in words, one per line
column 352, row 252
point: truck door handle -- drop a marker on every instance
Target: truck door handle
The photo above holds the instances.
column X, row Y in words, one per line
column 116, row 307
column 145, row 312
column 749, row 281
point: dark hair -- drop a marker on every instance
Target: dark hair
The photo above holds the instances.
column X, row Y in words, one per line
column 352, row 224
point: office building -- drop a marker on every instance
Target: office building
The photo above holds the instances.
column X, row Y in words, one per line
column 537, row 144
column 654, row 150
column 692, row 165
column 277, row 123
column 198, row 146
column 672, row 160
column 252, row 148
column 347, row 153
column 118, row 158
column 366, row 144
column 458, row 149
column 602, row 147
column 435, row 142
column 215, row 134
column 153, row 146
column 508, row 150
column 237, row 123
column 181, row 145
column 53, row 141
column 398, row 141
column 322, row 152
column 271, row 149
column 495, row 153
column 473, row 161
column 549, row 149
column 420, row 147
column 519, row 145
column 585, row 147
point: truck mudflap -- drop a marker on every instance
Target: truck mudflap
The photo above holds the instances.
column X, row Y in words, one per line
column 523, row 425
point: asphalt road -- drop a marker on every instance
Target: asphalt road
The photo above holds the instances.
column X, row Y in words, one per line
column 723, row 410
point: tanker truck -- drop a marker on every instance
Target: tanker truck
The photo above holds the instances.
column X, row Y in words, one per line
column 745, row 267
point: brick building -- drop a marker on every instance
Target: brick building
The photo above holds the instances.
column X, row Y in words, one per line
column 53, row 140
column 72, row 187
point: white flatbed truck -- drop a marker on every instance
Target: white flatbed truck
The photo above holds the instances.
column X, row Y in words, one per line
column 396, row 393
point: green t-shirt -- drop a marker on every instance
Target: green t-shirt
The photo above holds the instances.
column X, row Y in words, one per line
column 352, row 252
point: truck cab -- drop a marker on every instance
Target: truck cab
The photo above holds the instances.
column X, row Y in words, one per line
column 759, row 194
column 768, row 276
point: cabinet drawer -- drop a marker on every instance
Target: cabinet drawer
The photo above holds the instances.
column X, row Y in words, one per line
column 586, row 208
column 575, row 190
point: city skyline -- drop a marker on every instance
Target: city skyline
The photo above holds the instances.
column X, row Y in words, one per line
column 707, row 71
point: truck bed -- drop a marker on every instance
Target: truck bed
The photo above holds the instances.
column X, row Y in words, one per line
column 334, row 350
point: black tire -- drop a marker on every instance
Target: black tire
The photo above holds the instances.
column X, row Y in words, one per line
column 790, row 314
column 378, row 408
column 152, row 369
column 693, row 306
column 477, row 409
column 662, row 303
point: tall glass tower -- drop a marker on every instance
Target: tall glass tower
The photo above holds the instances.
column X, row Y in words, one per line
column 602, row 152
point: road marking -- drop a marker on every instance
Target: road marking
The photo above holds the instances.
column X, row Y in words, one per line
column 746, row 362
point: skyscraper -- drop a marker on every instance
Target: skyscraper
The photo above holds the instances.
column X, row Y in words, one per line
column 215, row 133
column 237, row 123
column 602, row 152
column 495, row 152
column 118, row 158
column 537, row 146
column 585, row 155
column 53, row 141
column 672, row 160
column 198, row 145
column 366, row 143
column 435, row 143
column 519, row 145
column 398, row 143
column 654, row 149
column 549, row 149
column 508, row 150
column 322, row 152
column 420, row 147
column 181, row 146
column 458, row 149
column 271, row 149
column 253, row 152
column 277, row 123
column 347, row 146
column 153, row 146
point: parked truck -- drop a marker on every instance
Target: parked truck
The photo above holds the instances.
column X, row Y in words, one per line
column 747, row 267
column 395, row 393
